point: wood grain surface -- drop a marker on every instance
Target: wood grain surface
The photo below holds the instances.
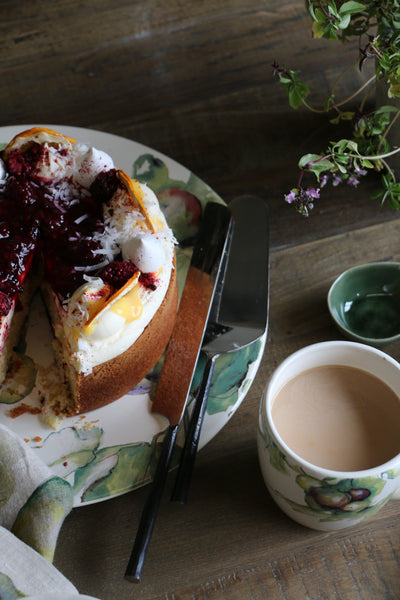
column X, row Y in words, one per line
column 231, row 542
column 193, row 79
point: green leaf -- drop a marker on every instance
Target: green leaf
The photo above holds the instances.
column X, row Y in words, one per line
column 344, row 21
column 351, row 7
column 315, row 163
column 366, row 163
column 295, row 98
column 352, row 145
column 394, row 91
column 308, row 158
column 319, row 15
column 328, row 102
column 317, row 30
column 341, row 168
column 343, row 146
column 297, row 90
column 386, row 109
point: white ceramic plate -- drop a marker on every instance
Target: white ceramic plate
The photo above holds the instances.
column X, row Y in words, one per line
column 111, row 451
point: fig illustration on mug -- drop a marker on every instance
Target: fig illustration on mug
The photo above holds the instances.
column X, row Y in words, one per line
column 329, row 498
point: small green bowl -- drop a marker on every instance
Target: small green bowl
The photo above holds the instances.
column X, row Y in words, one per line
column 364, row 302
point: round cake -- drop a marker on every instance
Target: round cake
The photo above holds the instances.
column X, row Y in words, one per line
column 97, row 245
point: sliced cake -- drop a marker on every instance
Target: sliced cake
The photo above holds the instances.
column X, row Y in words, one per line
column 97, row 244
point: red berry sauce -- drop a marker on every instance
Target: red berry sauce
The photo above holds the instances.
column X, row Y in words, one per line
column 32, row 219
column 117, row 273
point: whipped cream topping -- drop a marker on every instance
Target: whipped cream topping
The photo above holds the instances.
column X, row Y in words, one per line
column 53, row 164
column 109, row 323
column 3, row 172
column 120, row 320
column 89, row 163
column 82, row 163
column 146, row 251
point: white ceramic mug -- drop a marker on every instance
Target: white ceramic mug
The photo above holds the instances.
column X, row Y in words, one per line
column 300, row 488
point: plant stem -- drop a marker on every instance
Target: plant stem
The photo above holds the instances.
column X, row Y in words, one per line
column 371, row 89
column 360, row 89
column 389, row 170
column 342, row 102
column 342, row 74
column 378, row 156
column 318, row 111
column 389, row 128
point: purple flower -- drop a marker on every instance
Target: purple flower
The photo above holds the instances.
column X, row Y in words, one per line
column 302, row 199
column 312, row 193
column 336, row 180
column 291, row 196
column 353, row 181
column 323, row 180
column 359, row 171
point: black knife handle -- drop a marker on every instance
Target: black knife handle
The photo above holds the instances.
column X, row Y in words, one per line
column 188, row 457
column 134, row 569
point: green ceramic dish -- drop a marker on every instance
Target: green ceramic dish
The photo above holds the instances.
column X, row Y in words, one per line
column 364, row 302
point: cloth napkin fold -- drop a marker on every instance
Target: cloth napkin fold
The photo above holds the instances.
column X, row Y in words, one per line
column 33, row 505
column 33, row 501
column 24, row 572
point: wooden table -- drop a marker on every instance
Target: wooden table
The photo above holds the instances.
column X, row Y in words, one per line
column 194, row 80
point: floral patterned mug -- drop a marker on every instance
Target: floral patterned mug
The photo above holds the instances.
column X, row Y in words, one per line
column 322, row 497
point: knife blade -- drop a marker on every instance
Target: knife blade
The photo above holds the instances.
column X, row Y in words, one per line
column 238, row 316
column 180, row 360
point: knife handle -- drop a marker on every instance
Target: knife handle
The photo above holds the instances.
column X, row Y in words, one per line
column 188, row 456
column 134, row 569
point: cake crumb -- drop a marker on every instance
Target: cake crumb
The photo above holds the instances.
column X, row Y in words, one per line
column 23, row 409
column 89, row 424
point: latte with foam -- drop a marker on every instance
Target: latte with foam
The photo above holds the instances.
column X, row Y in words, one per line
column 338, row 417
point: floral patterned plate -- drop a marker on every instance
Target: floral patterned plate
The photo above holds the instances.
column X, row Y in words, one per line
column 113, row 450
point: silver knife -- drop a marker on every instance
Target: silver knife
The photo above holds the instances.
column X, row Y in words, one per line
column 180, row 360
column 238, row 317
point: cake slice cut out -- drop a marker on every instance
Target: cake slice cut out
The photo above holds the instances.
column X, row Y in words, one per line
column 67, row 216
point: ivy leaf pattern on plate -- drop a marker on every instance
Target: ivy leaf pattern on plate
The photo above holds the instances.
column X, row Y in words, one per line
column 20, row 380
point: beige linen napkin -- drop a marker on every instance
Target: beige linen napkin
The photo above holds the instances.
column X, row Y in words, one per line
column 33, row 501
column 24, row 572
column 33, row 506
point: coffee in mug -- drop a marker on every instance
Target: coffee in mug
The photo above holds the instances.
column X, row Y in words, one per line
column 339, row 418
column 329, row 434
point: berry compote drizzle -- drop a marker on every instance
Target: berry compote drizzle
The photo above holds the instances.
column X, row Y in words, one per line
column 36, row 221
